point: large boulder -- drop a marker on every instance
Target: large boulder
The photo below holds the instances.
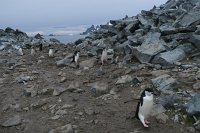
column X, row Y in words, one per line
column 152, row 46
column 195, row 39
column 193, row 106
column 190, row 18
column 165, row 84
column 170, row 57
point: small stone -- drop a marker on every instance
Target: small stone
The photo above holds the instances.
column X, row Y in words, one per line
column 157, row 109
column 80, row 113
column 190, row 129
column 12, row 121
column 99, row 88
column 67, row 106
column 74, row 86
column 162, row 118
column 64, row 129
column 63, row 79
column 39, row 103
column 196, row 86
column 30, row 92
column 55, row 117
column 61, row 112
column 124, row 79
column 89, row 111
column 57, row 91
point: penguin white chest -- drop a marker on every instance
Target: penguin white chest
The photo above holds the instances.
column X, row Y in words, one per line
column 104, row 56
column 32, row 51
column 147, row 106
column 51, row 53
column 76, row 57
column 20, row 51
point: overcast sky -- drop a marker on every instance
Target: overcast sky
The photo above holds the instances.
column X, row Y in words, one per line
column 36, row 15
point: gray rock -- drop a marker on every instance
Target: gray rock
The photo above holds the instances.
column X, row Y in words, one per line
column 124, row 79
column 167, row 101
column 167, row 29
column 63, row 62
column 194, row 39
column 23, row 78
column 12, row 121
column 132, row 27
column 39, row 103
column 61, row 112
column 196, row 86
column 157, row 109
column 99, row 88
column 193, row 106
column 88, row 63
column 170, row 57
column 30, row 92
column 89, row 111
column 165, row 83
column 162, row 118
column 188, row 48
column 190, row 129
column 74, row 86
column 197, row 127
column 152, row 46
column 99, row 72
column 63, row 129
column 189, row 18
column 58, row 90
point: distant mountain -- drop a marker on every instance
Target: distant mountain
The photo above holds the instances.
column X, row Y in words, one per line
column 90, row 30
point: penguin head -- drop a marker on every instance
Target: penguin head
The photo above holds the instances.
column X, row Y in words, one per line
column 76, row 52
column 148, row 92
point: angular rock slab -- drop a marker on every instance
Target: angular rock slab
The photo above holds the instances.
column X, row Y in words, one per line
column 12, row 121
column 152, row 46
column 193, row 106
column 88, row 63
column 169, row 57
column 64, row 129
column 165, row 83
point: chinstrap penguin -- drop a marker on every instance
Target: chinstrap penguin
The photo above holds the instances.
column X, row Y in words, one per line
column 76, row 57
column 144, row 106
column 40, row 47
column 51, row 52
column 33, row 51
column 20, row 51
column 104, row 56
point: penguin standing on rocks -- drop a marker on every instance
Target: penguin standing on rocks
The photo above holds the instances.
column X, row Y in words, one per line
column 20, row 51
column 40, row 47
column 51, row 52
column 33, row 51
column 144, row 106
column 76, row 57
column 104, row 56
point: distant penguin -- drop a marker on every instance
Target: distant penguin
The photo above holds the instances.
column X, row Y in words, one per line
column 20, row 51
column 32, row 51
column 76, row 57
column 40, row 47
column 51, row 52
column 104, row 56
column 144, row 106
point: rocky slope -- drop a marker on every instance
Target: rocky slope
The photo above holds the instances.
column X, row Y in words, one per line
column 157, row 48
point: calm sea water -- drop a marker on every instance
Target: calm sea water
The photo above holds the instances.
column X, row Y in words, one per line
column 66, row 38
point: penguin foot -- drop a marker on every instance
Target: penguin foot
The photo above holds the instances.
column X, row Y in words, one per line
column 145, row 125
column 146, row 121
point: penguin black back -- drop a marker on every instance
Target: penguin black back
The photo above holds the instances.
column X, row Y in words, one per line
column 75, row 53
column 40, row 47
